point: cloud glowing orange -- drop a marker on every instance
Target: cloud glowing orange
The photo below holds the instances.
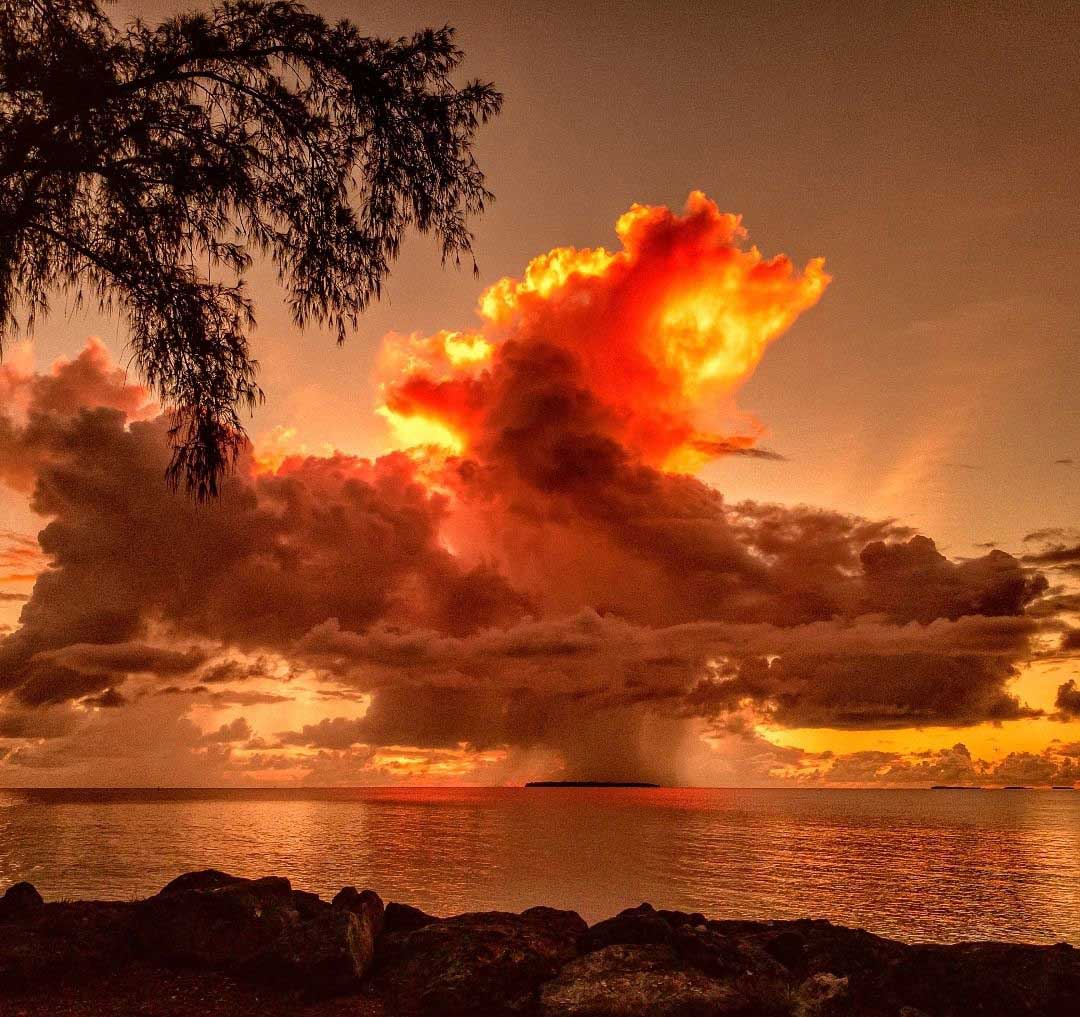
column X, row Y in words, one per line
column 664, row 331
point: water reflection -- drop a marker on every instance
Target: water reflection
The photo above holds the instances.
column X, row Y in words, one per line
column 918, row 865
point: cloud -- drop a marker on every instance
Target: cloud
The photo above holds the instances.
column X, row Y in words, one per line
column 328, row 733
column 53, row 722
column 237, row 730
column 277, row 554
column 637, row 341
column 1059, row 552
column 1068, row 698
column 225, row 697
column 956, row 766
column 541, row 578
column 109, row 699
column 20, row 557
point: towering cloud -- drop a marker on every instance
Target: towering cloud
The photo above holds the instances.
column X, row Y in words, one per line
column 532, row 580
column 632, row 345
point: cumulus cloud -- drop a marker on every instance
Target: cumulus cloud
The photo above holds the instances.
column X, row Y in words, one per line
column 1068, row 698
column 237, row 730
column 956, row 766
column 541, row 578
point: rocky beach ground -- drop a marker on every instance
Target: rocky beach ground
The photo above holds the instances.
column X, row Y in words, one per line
column 212, row 944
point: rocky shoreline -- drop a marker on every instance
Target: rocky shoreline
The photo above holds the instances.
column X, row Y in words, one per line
column 209, row 943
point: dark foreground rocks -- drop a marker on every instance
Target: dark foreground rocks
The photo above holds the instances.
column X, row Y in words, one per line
column 209, row 943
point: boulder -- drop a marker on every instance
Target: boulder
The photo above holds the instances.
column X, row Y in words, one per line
column 991, row 979
column 203, row 879
column 819, row 995
column 405, row 918
column 308, row 905
column 212, row 921
column 476, row 965
column 19, row 901
column 365, row 904
column 641, row 925
column 881, row 977
column 324, row 955
column 637, row 981
column 725, row 957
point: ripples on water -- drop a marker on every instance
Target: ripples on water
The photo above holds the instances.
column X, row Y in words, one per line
column 915, row 865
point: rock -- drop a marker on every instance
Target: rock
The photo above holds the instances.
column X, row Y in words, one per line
column 725, row 957
column 20, row 900
column 203, row 879
column 365, row 904
column 476, row 965
column 640, row 925
column 405, row 918
column 678, row 918
column 261, row 930
column 816, row 996
column 788, row 948
column 325, row 955
column 56, row 942
column 637, row 981
column 308, row 905
column 212, row 922
column 991, row 979
column 883, row 976
column 214, row 879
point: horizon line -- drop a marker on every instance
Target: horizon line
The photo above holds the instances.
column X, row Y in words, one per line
column 523, row 787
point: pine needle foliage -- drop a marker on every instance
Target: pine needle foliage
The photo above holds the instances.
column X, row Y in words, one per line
column 143, row 167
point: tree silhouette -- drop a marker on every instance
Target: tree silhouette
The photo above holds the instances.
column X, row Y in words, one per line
column 144, row 166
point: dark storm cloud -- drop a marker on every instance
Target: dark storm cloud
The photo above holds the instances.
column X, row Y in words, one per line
column 237, row 730
column 1068, row 699
column 328, row 733
column 1061, row 554
column 56, row 675
column 1055, row 603
column 109, row 699
column 593, row 601
column 913, row 581
column 230, row 670
column 224, row 697
column 20, row 722
column 906, row 690
column 274, row 556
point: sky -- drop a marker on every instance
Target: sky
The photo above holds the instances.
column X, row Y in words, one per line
column 687, row 510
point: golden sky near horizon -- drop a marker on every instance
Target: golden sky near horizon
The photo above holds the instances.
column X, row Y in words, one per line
column 928, row 153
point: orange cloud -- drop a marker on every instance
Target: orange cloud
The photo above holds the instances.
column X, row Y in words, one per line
column 669, row 326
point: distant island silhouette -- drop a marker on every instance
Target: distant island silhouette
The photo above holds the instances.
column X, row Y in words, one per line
column 589, row 783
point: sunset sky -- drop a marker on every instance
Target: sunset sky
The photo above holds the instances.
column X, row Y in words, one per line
column 751, row 457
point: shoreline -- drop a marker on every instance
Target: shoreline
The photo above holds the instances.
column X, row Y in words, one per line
column 210, row 943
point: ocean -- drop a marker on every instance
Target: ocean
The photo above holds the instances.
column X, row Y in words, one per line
column 917, row 865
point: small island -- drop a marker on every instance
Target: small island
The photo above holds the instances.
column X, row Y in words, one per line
column 589, row 783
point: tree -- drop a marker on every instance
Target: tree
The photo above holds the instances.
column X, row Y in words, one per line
column 145, row 166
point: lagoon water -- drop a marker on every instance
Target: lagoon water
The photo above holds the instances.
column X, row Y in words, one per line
column 917, row 865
